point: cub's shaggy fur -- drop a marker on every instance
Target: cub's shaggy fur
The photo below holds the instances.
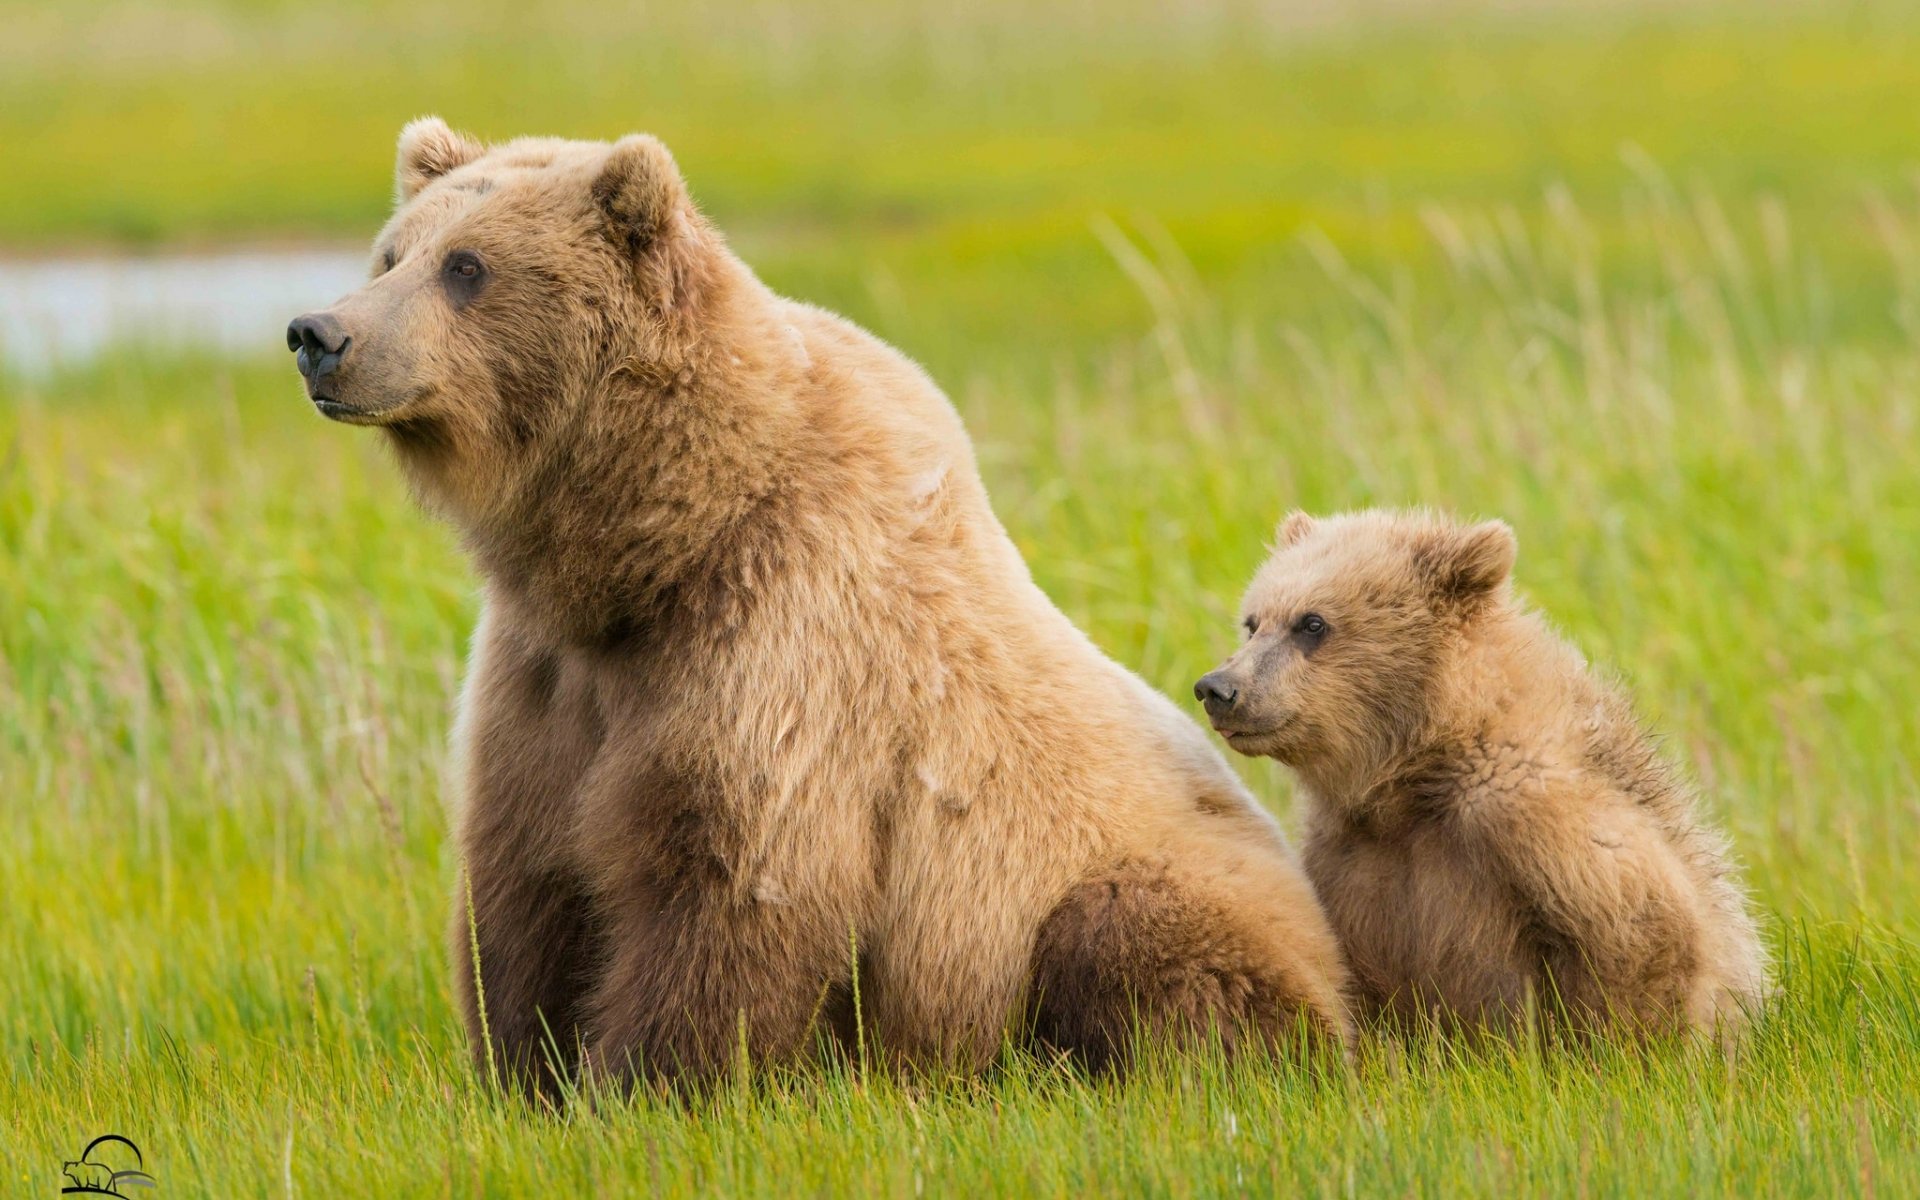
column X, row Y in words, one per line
column 760, row 678
column 1486, row 823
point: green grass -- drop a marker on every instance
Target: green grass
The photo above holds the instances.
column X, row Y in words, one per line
column 1177, row 281
column 917, row 168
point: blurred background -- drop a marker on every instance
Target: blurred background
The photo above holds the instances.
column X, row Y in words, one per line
column 933, row 169
column 1640, row 276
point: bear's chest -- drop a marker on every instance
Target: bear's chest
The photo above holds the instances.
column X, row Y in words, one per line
column 532, row 727
column 1422, row 923
column 621, row 774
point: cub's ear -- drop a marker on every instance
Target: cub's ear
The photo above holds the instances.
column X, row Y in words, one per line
column 428, row 150
column 1294, row 527
column 1468, row 564
column 639, row 191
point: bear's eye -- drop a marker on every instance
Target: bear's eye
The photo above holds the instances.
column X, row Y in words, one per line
column 1313, row 625
column 1252, row 626
column 463, row 276
column 387, row 260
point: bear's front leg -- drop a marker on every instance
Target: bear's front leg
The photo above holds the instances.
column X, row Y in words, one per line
column 526, row 736
column 693, row 982
column 726, row 908
column 532, row 935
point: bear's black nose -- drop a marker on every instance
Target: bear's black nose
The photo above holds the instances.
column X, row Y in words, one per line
column 1215, row 692
column 318, row 341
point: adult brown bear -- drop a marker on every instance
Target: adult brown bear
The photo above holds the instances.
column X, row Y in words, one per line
column 760, row 678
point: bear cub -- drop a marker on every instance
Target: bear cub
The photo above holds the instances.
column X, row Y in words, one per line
column 1490, row 829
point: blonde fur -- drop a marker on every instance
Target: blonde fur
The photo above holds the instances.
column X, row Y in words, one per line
column 761, row 679
column 1487, row 824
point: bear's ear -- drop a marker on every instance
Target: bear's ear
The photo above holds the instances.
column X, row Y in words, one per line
column 639, row 191
column 1293, row 528
column 1467, row 564
column 428, row 150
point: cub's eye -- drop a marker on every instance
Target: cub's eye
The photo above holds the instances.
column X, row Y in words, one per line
column 387, row 260
column 462, row 265
column 1252, row 626
column 1312, row 625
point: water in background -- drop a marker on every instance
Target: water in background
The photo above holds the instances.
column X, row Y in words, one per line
column 55, row 310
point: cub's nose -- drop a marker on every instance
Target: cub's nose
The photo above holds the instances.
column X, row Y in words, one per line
column 317, row 341
column 1216, row 692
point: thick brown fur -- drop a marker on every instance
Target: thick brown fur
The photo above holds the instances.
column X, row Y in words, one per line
column 1487, row 824
column 760, row 679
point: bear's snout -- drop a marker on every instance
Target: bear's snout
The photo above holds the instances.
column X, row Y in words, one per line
column 1217, row 692
column 318, row 341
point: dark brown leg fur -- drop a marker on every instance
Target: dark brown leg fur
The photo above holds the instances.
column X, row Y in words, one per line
column 536, row 943
column 692, row 983
column 1139, row 949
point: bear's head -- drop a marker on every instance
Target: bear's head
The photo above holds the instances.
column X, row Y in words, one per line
column 510, row 284
column 1348, row 625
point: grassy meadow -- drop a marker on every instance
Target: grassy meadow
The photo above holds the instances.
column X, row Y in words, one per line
column 1642, row 280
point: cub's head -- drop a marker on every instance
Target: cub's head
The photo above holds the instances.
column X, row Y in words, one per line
column 509, row 281
column 1346, row 626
